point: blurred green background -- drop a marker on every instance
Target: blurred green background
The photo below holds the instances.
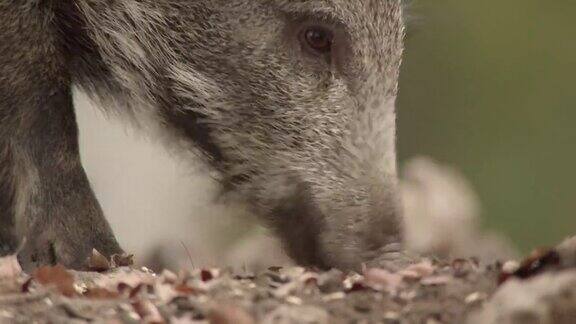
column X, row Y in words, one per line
column 488, row 87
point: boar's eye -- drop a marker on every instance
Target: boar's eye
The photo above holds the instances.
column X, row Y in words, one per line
column 317, row 39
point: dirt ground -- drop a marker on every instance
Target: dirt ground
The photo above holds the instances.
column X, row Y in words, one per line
column 424, row 293
column 427, row 291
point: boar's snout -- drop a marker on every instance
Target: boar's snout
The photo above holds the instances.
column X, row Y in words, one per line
column 342, row 227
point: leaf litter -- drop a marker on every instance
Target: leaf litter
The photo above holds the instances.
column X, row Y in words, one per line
column 426, row 291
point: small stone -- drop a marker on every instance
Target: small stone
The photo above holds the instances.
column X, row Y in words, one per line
column 510, row 266
column 294, row 300
column 436, row 280
column 392, row 317
column 476, row 297
column 334, row 296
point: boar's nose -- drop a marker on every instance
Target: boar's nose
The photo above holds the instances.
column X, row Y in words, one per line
column 340, row 231
column 361, row 229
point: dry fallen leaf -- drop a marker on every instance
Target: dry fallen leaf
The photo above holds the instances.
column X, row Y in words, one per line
column 186, row 290
column 382, row 280
column 100, row 293
column 58, row 277
column 124, row 279
column 98, row 262
column 165, row 292
column 148, row 312
column 122, row 260
column 9, row 267
column 141, row 290
column 357, row 286
column 538, row 262
column 206, row 275
column 418, row 270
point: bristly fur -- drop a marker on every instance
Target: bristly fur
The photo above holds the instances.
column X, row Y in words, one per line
column 308, row 142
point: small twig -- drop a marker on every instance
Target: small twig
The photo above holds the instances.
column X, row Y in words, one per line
column 188, row 253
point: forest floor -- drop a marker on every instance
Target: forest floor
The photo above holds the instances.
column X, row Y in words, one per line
column 541, row 289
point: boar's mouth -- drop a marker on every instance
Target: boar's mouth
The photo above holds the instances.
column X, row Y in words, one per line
column 296, row 221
